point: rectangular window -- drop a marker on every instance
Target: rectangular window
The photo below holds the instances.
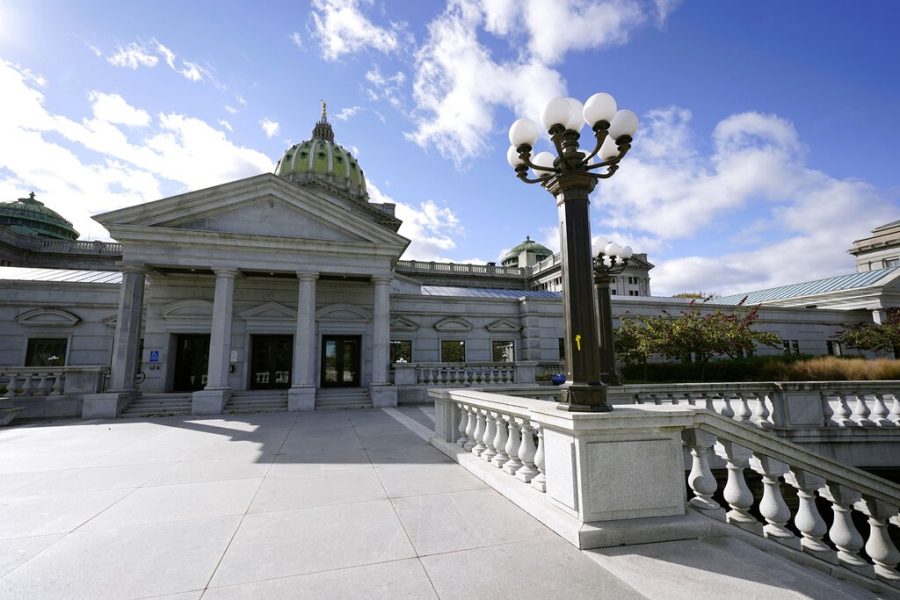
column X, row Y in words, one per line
column 503, row 352
column 562, row 347
column 891, row 262
column 401, row 351
column 791, row 346
column 46, row 352
column 834, row 348
column 453, row 351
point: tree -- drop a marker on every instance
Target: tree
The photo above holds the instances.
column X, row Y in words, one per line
column 875, row 337
column 691, row 337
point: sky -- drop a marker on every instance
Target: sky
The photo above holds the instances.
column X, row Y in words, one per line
column 768, row 141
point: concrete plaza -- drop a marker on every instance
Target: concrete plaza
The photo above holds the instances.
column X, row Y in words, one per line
column 331, row 504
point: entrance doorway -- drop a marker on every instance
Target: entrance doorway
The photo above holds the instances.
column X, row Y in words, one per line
column 271, row 362
column 340, row 360
column 191, row 362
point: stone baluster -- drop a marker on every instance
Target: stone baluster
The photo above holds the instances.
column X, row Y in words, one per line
column 701, row 479
column 879, row 546
column 500, row 439
column 26, row 385
column 471, row 425
column 827, row 412
column 465, row 375
column 727, row 411
column 513, row 442
column 880, row 411
column 761, row 412
column 526, row 454
column 772, row 506
column 894, row 417
column 540, row 480
column 707, row 400
column 842, row 416
column 490, row 431
column 463, row 423
column 479, row 433
column 808, row 520
column 737, row 493
column 843, row 532
column 861, row 411
column 743, row 412
column 58, row 383
column 41, row 389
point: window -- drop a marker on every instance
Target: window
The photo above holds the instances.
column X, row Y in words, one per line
column 562, row 347
column 791, row 346
column 453, row 351
column 891, row 262
column 834, row 348
column 401, row 351
column 633, row 292
column 46, row 352
column 503, row 351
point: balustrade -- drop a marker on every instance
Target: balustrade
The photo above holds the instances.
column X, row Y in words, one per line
column 25, row 382
column 465, row 374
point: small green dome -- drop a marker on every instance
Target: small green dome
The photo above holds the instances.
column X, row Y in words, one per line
column 30, row 217
column 511, row 258
column 320, row 159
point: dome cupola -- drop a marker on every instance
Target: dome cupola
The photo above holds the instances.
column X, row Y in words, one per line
column 28, row 216
column 319, row 159
column 526, row 254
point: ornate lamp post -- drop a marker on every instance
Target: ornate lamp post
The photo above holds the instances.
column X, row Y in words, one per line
column 571, row 176
column 610, row 261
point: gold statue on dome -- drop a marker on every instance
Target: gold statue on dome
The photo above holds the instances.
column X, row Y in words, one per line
column 324, row 110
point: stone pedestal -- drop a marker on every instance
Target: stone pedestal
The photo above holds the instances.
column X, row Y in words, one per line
column 106, row 406
column 209, row 402
column 302, row 397
column 383, row 396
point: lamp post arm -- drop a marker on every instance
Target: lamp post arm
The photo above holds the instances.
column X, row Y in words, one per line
column 600, row 133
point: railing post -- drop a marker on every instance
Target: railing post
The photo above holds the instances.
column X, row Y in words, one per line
column 861, row 411
column 808, row 520
column 772, row 506
column 540, row 480
column 842, row 416
column 744, row 413
column 737, row 493
column 701, row 479
column 761, row 412
column 879, row 545
column 526, row 454
column 513, row 442
column 843, row 532
column 479, row 433
column 471, row 426
column 490, row 431
column 463, row 422
column 500, row 439
column 880, row 412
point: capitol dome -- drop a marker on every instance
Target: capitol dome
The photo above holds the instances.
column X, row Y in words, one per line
column 321, row 160
column 534, row 253
column 30, row 217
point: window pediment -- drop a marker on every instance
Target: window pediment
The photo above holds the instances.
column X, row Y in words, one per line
column 270, row 311
column 453, row 324
column 503, row 326
column 403, row 324
column 344, row 312
column 44, row 317
column 187, row 309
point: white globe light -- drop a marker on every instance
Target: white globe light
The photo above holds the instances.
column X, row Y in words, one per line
column 512, row 157
column 523, row 131
column 609, row 149
column 600, row 244
column 612, row 249
column 576, row 108
column 626, row 252
column 543, row 159
column 624, row 123
column 556, row 112
column 599, row 107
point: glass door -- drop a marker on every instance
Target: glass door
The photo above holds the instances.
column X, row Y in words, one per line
column 271, row 361
column 340, row 360
column 191, row 362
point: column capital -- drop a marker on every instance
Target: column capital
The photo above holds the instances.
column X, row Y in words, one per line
column 226, row 273
column 133, row 269
column 307, row 276
column 382, row 279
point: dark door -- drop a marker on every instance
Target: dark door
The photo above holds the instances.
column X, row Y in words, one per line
column 272, row 360
column 191, row 362
column 340, row 360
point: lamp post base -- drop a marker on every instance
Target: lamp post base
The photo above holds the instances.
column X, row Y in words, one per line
column 584, row 398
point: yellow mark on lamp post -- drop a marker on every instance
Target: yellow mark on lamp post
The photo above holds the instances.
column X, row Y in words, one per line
column 578, row 341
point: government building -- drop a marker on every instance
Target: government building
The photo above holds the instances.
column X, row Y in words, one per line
column 288, row 290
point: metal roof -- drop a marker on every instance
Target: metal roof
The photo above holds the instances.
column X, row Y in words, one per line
column 442, row 290
column 59, row 275
column 809, row 288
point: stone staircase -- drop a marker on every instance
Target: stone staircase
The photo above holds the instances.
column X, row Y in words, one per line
column 256, row 402
column 159, row 405
column 340, row 398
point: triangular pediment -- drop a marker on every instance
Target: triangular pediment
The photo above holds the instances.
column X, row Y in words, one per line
column 264, row 206
column 503, row 326
column 270, row 311
column 399, row 323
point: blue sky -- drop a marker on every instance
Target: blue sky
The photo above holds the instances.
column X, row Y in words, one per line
column 768, row 142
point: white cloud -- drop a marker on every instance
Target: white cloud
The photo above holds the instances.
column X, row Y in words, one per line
column 226, row 125
column 347, row 113
column 231, row 110
column 431, row 229
column 455, row 106
column 800, row 219
column 112, row 108
column 133, row 55
column 189, row 70
column 269, row 126
column 341, row 28
column 94, row 49
column 240, row 100
column 296, row 39
column 83, row 167
column 385, row 87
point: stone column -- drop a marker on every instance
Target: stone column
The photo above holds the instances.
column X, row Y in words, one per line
column 126, row 346
column 383, row 393
column 211, row 399
column 302, row 395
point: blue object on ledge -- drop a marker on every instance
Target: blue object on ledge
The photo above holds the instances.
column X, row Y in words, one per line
column 558, row 379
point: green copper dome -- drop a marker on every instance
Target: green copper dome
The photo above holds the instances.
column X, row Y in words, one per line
column 30, row 217
column 511, row 258
column 320, row 159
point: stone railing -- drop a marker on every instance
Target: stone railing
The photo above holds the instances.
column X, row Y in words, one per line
column 24, row 382
column 81, row 247
column 463, row 374
column 459, row 268
column 603, row 479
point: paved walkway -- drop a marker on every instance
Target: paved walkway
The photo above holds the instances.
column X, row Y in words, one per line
column 333, row 504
